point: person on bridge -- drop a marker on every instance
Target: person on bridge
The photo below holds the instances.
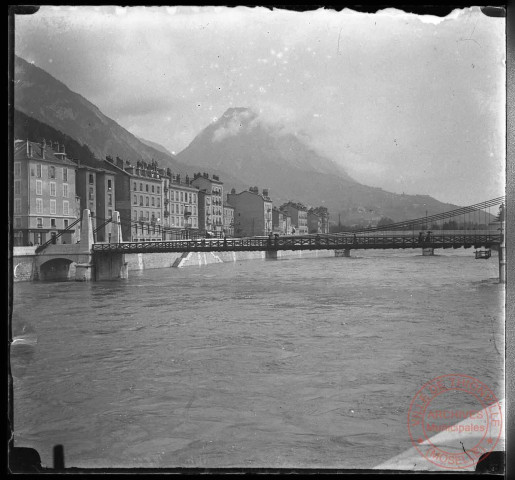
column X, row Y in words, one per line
column 270, row 238
column 421, row 237
column 354, row 239
column 276, row 239
column 428, row 236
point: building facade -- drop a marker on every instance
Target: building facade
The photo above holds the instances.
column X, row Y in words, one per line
column 95, row 187
column 45, row 203
column 299, row 217
column 210, row 202
column 252, row 212
column 279, row 221
column 314, row 222
column 138, row 198
column 228, row 220
column 323, row 218
column 180, row 206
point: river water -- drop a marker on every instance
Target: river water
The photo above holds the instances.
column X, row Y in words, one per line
column 305, row 362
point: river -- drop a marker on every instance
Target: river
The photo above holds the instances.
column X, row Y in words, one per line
column 305, row 362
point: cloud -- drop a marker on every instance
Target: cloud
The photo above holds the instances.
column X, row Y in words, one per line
column 237, row 121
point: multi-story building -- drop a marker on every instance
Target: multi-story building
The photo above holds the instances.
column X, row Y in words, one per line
column 210, row 202
column 180, row 206
column 278, row 221
column 45, row 203
column 314, row 222
column 299, row 217
column 228, row 220
column 96, row 188
column 252, row 212
column 139, row 199
column 323, row 219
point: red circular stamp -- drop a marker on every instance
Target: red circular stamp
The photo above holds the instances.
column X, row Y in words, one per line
column 453, row 420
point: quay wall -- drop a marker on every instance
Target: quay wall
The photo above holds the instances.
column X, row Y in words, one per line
column 25, row 267
column 143, row 261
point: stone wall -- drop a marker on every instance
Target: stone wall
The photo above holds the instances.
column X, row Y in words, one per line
column 25, row 270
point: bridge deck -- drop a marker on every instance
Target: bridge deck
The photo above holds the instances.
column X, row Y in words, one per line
column 311, row 242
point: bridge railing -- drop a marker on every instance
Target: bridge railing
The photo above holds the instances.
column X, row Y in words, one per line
column 310, row 242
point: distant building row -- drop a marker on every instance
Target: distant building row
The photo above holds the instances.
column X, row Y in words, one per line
column 51, row 190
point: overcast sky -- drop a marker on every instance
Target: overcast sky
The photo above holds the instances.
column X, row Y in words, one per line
column 408, row 103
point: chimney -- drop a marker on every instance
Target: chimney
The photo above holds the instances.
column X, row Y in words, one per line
column 119, row 162
column 187, row 180
column 29, row 149
column 61, row 149
column 265, row 192
column 43, row 149
column 233, row 191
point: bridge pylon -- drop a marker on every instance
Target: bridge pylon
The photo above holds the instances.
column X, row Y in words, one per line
column 116, row 228
column 84, row 271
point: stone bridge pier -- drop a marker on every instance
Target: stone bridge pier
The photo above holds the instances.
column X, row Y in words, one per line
column 110, row 265
column 53, row 262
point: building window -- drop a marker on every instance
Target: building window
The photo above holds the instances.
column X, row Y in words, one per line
column 65, row 223
column 109, row 184
column 52, row 223
column 109, row 199
column 146, row 187
column 153, row 202
column 65, row 174
column 158, row 189
column 135, row 215
column 39, row 170
column 17, row 205
column 66, row 207
column 91, row 179
column 52, row 207
column 153, row 189
column 39, row 222
column 17, row 187
column 147, row 213
column 39, row 205
column 51, row 171
column 52, row 189
column 158, row 202
column 141, row 186
column 91, row 195
column 109, row 213
column 141, row 200
column 135, row 200
column 182, row 196
column 147, row 201
column 65, row 190
column 17, row 169
column 17, row 222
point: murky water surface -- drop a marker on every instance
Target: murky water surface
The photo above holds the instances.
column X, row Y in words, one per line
column 298, row 362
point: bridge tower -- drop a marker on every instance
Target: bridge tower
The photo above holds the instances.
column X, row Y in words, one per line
column 84, row 271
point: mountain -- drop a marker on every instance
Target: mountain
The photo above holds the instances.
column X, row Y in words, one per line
column 46, row 99
column 156, row 146
column 269, row 156
column 240, row 147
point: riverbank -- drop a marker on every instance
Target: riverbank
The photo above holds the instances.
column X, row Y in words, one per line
column 24, row 266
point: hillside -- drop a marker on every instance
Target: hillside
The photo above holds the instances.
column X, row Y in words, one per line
column 44, row 98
